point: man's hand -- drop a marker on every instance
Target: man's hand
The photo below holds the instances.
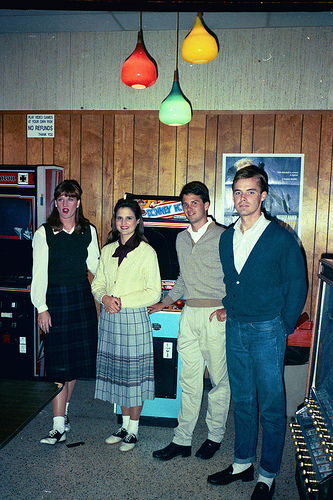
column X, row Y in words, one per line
column 221, row 315
column 44, row 321
column 112, row 305
column 159, row 306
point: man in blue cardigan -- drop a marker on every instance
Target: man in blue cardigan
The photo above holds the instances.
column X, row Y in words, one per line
column 266, row 286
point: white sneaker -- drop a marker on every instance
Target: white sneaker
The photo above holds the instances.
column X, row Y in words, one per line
column 117, row 436
column 128, row 443
column 54, row 437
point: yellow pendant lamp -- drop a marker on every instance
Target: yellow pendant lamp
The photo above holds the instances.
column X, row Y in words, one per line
column 199, row 47
column 176, row 109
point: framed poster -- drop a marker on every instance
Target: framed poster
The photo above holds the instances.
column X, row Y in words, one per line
column 285, row 186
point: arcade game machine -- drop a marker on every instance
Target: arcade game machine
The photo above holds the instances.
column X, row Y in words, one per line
column 312, row 428
column 163, row 219
column 26, row 194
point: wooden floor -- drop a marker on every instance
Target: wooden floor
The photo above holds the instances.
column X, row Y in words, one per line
column 20, row 402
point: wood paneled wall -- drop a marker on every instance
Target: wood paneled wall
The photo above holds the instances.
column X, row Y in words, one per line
column 111, row 153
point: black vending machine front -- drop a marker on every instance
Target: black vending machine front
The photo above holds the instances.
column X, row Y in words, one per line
column 26, row 193
column 312, row 429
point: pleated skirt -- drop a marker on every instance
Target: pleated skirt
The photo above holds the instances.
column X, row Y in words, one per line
column 125, row 358
column 71, row 345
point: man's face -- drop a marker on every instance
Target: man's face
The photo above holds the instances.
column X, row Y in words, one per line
column 248, row 198
column 195, row 210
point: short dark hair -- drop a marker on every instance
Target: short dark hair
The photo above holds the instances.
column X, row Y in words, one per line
column 114, row 234
column 198, row 188
column 251, row 171
column 70, row 188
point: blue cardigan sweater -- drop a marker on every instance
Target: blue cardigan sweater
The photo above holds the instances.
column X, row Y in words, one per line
column 272, row 281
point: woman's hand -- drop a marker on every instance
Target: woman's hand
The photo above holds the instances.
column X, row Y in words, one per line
column 221, row 315
column 111, row 304
column 44, row 321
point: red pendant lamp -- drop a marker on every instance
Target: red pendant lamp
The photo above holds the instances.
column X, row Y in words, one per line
column 139, row 70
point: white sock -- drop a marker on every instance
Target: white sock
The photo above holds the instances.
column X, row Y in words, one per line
column 59, row 424
column 133, row 427
column 66, row 410
column 266, row 480
column 125, row 421
column 238, row 468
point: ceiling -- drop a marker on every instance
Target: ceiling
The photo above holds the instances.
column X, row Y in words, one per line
column 26, row 16
column 175, row 5
column 52, row 21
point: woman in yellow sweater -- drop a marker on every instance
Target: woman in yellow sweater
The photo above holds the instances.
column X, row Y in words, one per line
column 127, row 281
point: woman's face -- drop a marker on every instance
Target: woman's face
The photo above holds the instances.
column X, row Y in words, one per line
column 66, row 206
column 126, row 223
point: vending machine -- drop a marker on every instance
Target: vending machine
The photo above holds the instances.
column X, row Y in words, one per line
column 26, row 194
column 163, row 219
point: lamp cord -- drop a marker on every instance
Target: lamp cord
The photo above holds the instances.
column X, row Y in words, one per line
column 176, row 57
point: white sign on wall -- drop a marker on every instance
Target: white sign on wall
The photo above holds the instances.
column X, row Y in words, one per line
column 40, row 125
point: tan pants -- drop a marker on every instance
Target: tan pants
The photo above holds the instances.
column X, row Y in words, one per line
column 201, row 343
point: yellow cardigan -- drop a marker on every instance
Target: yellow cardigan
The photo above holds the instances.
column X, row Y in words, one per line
column 136, row 281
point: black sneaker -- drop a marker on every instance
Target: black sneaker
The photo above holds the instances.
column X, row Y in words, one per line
column 54, row 437
column 117, row 436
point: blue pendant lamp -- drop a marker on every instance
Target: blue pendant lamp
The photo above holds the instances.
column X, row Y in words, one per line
column 139, row 70
column 176, row 109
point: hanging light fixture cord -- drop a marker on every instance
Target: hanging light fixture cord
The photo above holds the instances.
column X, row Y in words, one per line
column 176, row 57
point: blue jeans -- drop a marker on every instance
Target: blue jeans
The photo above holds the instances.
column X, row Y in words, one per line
column 255, row 359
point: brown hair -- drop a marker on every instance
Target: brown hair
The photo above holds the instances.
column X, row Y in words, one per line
column 251, row 171
column 72, row 188
column 114, row 234
column 196, row 187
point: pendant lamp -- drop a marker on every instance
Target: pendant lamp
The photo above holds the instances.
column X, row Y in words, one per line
column 199, row 47
column 139, row 70
column 176, row 109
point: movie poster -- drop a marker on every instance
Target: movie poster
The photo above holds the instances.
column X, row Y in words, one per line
column 285, row 181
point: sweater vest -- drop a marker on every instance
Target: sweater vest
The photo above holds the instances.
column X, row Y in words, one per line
column 67, row 256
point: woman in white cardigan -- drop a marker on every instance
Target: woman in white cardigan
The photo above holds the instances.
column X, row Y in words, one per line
column 127, row 281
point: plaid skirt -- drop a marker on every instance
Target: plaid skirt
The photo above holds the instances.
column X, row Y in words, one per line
column 70, row 346
column 125, row 358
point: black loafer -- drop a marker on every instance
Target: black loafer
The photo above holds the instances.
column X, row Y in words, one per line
column 226, row 476
column 262, row 492
column 171, row 451
column 207, row 449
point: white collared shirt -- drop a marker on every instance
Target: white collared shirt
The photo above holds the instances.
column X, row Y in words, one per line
column 244, row 242
column 196, row 235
